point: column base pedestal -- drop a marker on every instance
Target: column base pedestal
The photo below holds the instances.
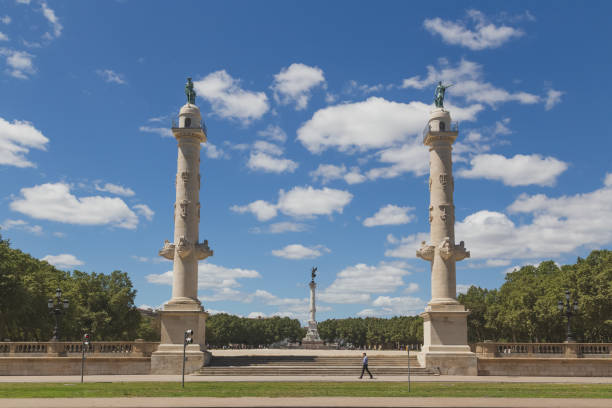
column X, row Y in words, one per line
column 445, row 347
column 175, row 320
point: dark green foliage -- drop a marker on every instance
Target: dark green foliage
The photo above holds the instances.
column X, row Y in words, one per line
column 524, row 308
column 373, row 331
column 224, row 329
column 100, row 304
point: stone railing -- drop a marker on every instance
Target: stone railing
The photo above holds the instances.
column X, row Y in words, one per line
column 138, row 348
column 570, row 350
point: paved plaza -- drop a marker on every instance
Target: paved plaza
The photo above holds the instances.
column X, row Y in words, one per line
column 306, row 402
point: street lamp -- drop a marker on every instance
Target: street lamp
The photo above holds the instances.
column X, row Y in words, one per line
column 570, row 310
column 57, row 307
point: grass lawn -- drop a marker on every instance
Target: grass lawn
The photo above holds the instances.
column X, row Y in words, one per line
column 302, row 389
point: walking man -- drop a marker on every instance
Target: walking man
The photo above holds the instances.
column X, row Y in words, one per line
column 365, row 366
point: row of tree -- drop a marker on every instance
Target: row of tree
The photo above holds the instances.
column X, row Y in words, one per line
column 224, row 330
column 101, row 304
column 524, row 308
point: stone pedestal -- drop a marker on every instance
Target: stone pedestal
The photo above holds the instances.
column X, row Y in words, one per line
column 168, row 359
column 445, row 346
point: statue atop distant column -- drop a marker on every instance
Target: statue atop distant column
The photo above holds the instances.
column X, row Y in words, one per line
column 312, row 339
column 439, row 94
column 190, row 92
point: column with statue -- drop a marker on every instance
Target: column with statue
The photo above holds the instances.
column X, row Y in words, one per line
column 445, row 343
column 312, row 339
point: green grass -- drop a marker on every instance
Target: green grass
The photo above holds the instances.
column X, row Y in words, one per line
column 303, row 389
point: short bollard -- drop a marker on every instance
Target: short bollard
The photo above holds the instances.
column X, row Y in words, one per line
column 188, row 340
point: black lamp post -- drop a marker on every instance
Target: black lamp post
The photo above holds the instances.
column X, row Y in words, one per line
column 57, row 307
column 570, row 310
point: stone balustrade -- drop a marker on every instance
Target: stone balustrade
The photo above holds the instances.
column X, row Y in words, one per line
column 138, row 348
column 567, row 350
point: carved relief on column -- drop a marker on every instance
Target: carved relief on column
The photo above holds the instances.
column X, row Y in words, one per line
column 185, row 177
column 446, row 212
column 444, row 180
column 184, row 204
column 431, row 207
column 184, row 247
column 198, row 210
column 430, row 180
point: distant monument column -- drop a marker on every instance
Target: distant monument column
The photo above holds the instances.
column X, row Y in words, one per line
column 445, row 319
column 312, row 339
column 184, row 310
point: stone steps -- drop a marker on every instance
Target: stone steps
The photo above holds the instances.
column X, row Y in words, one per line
column 310, row 365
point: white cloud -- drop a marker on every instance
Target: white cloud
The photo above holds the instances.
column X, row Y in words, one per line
column 116, row 189
column 19, row 63
column 229, row 100
column 9, row 224
column 145, row 211
column 111, row 76
column 221, row 280
column 354, row 86
column 557, row 226
column 371, row 124
column 274, row 133
column 3, row 37
column 55, row 202
column 53, row 20
column 63, row 261
column 553, row 97
column 483, row 35
column 390, row 215
column 411, row 157
column 394, row 306
column 294, row 84
column 16, row 140
column 354, row 284
column 298, row 251
column 309, row 202
column 6, row 19
column 304, row 202
column 329, row 172
column 520, row 170
column 264, row 162
column 263, row 210
column 468, row 80
column 163, row 132
column 213, row 152
column 256, row 315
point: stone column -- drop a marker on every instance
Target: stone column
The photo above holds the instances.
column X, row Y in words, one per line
column 313, row 308
column 445, row 319
column 184, row 310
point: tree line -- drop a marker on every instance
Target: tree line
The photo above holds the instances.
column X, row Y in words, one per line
column 524, row 308
column 100, row 304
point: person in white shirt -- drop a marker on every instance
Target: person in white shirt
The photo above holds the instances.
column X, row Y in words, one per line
column 365, row 366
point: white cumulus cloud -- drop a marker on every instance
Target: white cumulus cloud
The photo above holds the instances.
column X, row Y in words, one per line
column 63, row 261
column 294, row 84
column 116, row 189
column 298, row 251
column 482, row 35
column 390, row 215
column 52, row 19
column 55, row 202
column 387, row 306
column 520, row 170
column 16, row 140
column 553, row 97
column 229, row 100
column 163, row 132
column 355, row 284
column 111, row 76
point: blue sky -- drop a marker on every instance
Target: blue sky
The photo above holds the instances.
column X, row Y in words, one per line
column 314, row 113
